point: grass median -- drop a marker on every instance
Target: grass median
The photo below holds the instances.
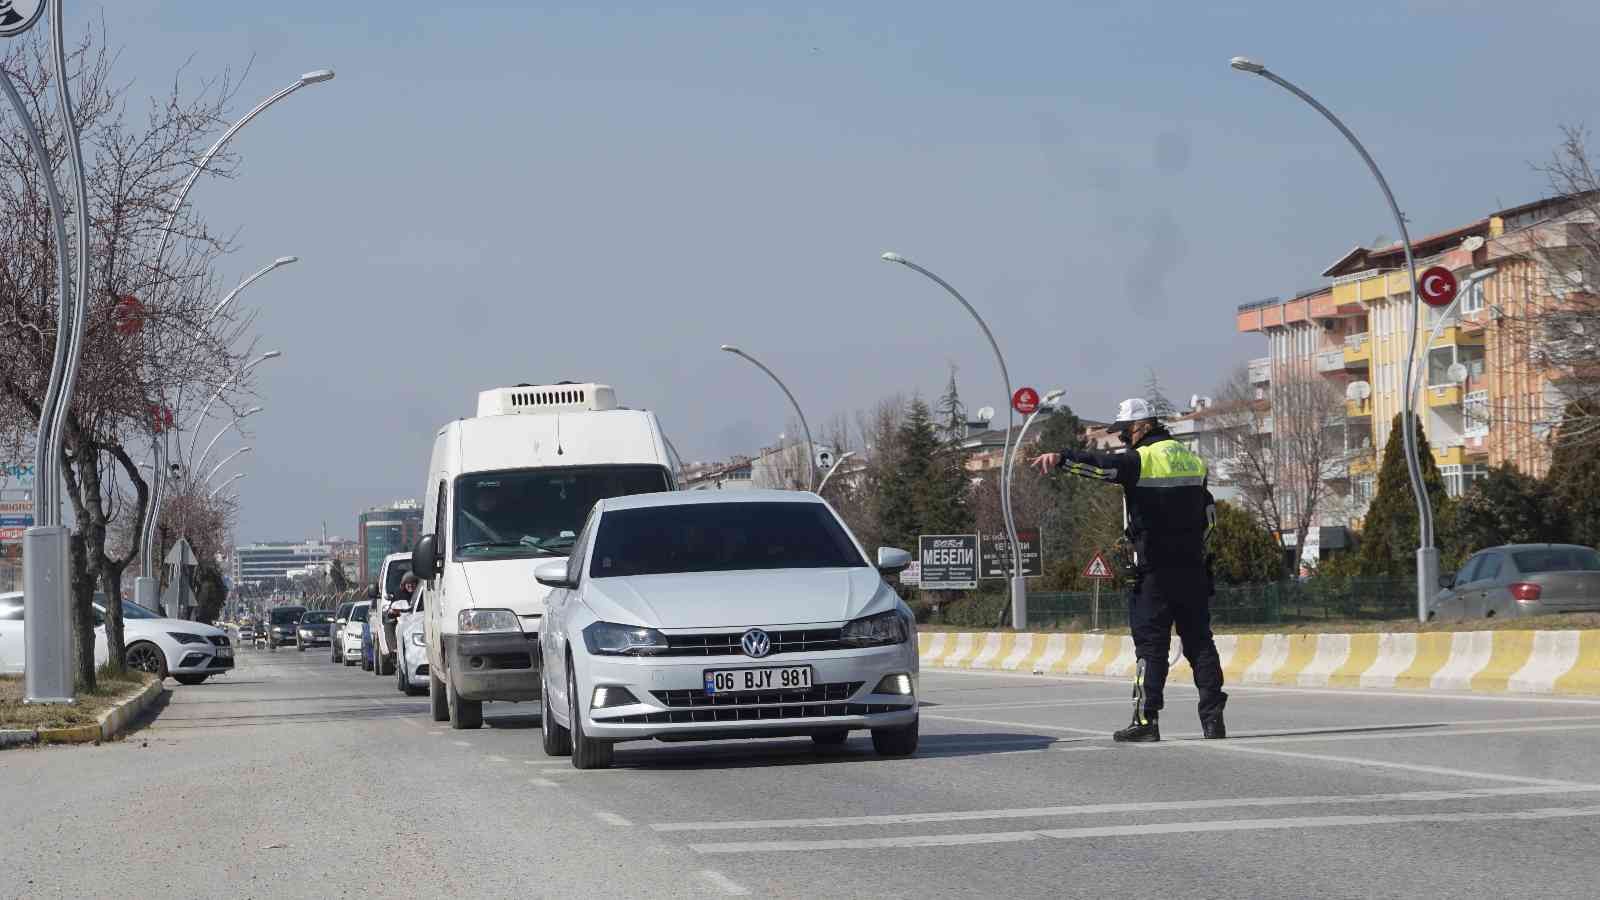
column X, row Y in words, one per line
column 113, row 688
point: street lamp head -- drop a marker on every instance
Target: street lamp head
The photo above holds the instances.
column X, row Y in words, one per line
column 1481, row 274
column 272, row 354
column 1053, row 396
column 729, row 348
column 1246, row 64
column 285, row 260
column 317, row 76
column 250, row 412
column 891, row 256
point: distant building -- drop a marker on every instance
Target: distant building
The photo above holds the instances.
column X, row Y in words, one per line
column 383, row 530
column 266, row 564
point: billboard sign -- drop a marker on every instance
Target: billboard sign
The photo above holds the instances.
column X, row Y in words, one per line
column 949, row 562
column 996, row 554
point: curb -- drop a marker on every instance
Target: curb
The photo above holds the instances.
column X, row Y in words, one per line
column 1494, row 662
column 109, row 724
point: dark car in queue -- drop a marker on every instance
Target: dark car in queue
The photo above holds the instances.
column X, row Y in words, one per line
column 1517, row 580
column 314, row 629
column 281, row 624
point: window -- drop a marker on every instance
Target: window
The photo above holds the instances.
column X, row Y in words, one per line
column 1458, row 478
column 11, row 609
column 720, row 537
column 1465, row 575
column 1489, row 569
column 1556, row 559
column 1473, row 300
column 1362, row 489
column 1475, row 414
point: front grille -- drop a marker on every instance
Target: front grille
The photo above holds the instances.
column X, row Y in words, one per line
column 819, row 693
column 221, row 640
column 752, row 713
column 727, row 643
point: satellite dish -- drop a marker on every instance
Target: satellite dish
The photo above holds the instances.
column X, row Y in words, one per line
column 986, row 414
column 1472, row 244
column 1457, row 373
column 824, row 458
column 1357, row 390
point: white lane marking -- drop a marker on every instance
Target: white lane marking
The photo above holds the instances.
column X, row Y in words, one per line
column 1043, row 812
column 1148, row 830
column 611, row 818
column 1179, row 687
column 493, row 758
column 1026, row 704
column 413, row 722
column 1096, row 732
column 435, row 733
column 1225, row 747
column 1400, row 735
column 724, row 884
column 462, row 743
column 542, row 782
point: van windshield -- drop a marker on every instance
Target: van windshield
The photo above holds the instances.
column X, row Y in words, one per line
column 537, row 512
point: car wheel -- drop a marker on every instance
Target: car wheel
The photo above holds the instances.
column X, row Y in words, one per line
column 400, row 674
column 465, row 715
column 833, row 738
column 440, row 707
column 390, row 662
column 299, row 646
column 557, row 740
column 587, row 753
column 366, row 662
column 900, row 740
column 190, row 679
column 147, row 657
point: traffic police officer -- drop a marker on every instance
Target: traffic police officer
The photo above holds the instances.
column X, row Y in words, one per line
column 1169, row 515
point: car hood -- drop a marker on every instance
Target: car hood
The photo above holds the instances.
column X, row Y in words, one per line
column 738, row 599
column 135, row 626
column 507, row 584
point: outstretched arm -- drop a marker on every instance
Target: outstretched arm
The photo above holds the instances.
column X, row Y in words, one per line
column 1118, row 468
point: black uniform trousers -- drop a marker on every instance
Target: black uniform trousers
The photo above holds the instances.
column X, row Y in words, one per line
column 1160, row 599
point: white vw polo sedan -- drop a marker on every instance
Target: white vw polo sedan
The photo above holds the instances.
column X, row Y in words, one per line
column 704, row 615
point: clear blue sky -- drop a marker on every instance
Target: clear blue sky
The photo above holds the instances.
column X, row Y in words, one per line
column 497, row 193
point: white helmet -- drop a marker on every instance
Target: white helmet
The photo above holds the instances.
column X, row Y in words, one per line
column 1134, row 410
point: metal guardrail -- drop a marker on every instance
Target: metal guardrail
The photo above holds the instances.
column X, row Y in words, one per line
column 1313, row 600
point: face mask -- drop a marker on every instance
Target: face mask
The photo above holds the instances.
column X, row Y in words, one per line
column 1126, row 436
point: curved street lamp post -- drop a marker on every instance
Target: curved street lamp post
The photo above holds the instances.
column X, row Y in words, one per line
column 199, row 463
column 837, row 464
column 1019, row 585
column 219, row 487
column 811, row 449
column 1427, row 553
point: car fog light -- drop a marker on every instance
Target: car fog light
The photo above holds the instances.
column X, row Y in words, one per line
column 894, row 684
column 610, row 695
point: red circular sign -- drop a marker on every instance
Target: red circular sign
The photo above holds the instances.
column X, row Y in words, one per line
column 1437, row 286
column 1025, row 401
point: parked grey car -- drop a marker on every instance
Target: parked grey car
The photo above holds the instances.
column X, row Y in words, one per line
column 1521, row 580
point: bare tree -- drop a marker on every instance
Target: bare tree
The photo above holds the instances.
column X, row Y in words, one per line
column 150, row 332
column 1284, row 451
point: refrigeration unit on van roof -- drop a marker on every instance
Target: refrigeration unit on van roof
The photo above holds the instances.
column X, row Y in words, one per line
column 536, row 399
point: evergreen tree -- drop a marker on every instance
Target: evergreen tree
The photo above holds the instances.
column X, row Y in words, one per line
column 1157, row 398
column 1389, row 533
column 925, row 490
column 1574, row 479
column 336, row 576
column 1242, row 551
column 1508, row 507
column 952, row 411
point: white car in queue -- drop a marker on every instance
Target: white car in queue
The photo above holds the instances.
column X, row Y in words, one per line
column 411, row 644
column 709, row 615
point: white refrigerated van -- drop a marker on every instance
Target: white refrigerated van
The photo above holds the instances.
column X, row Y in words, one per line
column 507, row 490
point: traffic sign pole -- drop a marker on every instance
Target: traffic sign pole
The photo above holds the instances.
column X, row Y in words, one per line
column 1097, row 570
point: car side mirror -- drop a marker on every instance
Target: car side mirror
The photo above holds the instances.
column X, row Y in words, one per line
column 893, row 560
column 372, row 592
column 1447, row 581
column 553, row 575
column 425, row 557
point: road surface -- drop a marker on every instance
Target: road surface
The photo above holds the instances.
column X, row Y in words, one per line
column 293, row 777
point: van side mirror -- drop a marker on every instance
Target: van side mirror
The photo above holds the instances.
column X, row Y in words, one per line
column 425, row 557
column 554, row 575
column 893, row 560
column 372, row 592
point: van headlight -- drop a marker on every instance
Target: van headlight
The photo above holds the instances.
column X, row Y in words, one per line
column 877, row 631
column 417, row 639
column 610, row 639
column 487, row 621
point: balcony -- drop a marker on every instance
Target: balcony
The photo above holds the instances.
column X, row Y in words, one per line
column 1261, row 370
column 1456, row 334
column 1330, row 361
column 1363, row 465
column 1449, row 456
column 1358, row 409
column 1357, row 349
column 1444, row 395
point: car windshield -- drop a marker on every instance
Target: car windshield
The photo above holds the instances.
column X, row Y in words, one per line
column 397, row 571
column 1556, row 559
column 344, row 611
column 132, row 610
column 286, row 615
column 359, row 611
column 537, row 512
column 720, row 537
column 316, row 617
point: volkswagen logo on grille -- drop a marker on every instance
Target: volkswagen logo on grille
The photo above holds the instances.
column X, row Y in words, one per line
column 756, row 643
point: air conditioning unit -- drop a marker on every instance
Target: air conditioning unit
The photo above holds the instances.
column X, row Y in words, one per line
column 537, row 399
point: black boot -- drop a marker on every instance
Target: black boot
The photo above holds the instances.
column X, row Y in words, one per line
column 1213, row 727
column 1146, row 732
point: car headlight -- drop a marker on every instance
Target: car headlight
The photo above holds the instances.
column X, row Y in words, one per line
column 305, row 632
column 418, row 639
column 877, row 631
column 610, row 639
column 485, row 621
column 186, row 638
